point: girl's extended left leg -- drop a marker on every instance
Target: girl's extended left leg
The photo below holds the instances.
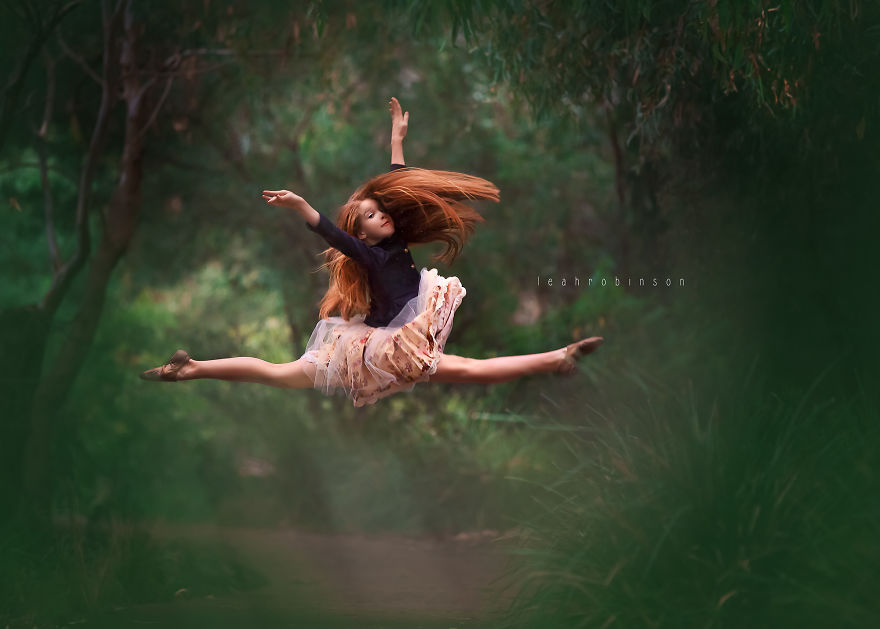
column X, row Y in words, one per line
column 452, row 368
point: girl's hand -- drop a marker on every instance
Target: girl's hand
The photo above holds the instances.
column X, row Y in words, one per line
column 399, row 120
column 283, row 198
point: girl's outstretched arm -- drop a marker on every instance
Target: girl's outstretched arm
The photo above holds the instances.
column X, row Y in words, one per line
column 288, row 199
column 399, row 125
column 346, row 243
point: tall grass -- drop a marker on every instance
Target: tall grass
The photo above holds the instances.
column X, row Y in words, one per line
column 761, row 511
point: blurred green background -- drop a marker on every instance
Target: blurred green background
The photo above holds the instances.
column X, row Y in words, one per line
column 714, row 464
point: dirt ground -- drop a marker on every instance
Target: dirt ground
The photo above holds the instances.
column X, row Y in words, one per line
column 338, row 581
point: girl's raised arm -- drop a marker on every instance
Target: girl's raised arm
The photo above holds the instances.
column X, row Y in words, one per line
column 399, row 125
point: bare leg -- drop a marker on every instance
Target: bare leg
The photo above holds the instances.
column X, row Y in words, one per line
column 296, row 375
column 452, row 368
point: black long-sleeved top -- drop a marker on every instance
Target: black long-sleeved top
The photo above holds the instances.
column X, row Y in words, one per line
column 393, row 277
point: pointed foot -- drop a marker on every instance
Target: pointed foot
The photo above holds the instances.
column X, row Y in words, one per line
column 573, row 352
column 170, row 370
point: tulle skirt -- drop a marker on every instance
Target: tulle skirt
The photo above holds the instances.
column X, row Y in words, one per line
column 366, row 363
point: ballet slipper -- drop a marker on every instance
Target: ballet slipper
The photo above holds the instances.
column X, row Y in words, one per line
column 568, row 365
column 169, row 371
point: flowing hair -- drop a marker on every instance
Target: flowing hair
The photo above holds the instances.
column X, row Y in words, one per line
column 425, row 205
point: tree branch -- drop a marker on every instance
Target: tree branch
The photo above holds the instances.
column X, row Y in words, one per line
column 12, row 91
column 42, row 135
column 158, row 106
column 64, row 278
column 15, row 9
column 77, row 58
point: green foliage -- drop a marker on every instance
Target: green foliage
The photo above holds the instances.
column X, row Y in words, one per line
column 681, row 514
column 712, row 77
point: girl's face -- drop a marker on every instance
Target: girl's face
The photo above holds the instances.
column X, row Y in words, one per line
column 375, row 224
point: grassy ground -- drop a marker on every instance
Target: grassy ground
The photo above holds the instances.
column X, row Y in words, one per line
column 244, row 577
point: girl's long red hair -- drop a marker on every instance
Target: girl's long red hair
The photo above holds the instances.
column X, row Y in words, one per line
column 426, row 206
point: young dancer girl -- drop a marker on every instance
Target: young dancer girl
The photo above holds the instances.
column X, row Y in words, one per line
column 394, row 320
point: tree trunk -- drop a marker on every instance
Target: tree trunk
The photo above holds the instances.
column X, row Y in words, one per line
column 638, row 225
column 24, row 331
column 53, row 389
column 120, row 220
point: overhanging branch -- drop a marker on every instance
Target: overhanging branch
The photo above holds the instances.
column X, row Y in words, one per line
column 109, row 81
column 11, row 93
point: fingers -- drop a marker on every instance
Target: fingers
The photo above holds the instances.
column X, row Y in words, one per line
column 397, row 111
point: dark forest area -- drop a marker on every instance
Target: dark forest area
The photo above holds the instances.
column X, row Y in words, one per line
column 694, row 181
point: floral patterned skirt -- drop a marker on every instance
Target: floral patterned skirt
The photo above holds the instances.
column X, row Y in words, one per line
column 366, row 363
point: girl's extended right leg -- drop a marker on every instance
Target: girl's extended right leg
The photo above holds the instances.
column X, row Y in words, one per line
column 452, row 368
column 298, row 374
